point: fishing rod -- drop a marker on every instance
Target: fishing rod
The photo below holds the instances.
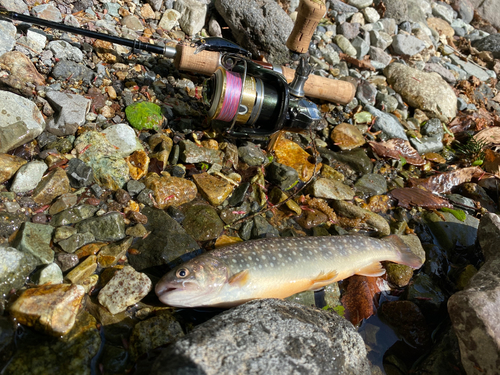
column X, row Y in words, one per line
column 253, row 98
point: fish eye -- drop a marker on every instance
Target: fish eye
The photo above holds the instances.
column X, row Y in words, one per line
column 182, row 273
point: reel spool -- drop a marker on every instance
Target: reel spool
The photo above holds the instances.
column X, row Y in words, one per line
column 251, row 100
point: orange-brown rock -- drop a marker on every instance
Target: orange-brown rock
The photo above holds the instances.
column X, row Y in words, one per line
column 290, row 153
column 170, row 191
column 213, row 189
column 347, row 136
column 9, row 164
column 53, row 185
column 138, row 164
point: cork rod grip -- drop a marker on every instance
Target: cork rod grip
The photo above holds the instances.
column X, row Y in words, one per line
column 309, row 13
column 332, row 90
column 204, row 62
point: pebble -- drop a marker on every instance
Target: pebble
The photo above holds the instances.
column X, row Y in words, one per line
column 292, row 155
column 361, row 46
column 370, row 218
column 49, row 308
column 123, row 138
column 73, row 243
column 360, row 4
column 71, row 70
column 345, row 45
column 170, row 191
column 202, row 222
column 110, row 254
column 28, row 176
column 64, row 50
column 51, row 186
column 169, row 19
column 47, row 12
column 35, row 240
column 380, row 39
column 371, row 15
column 279, row 174
column 7, row 36
column 213, row 189
column 50, row 274
column 193, row 14
column 109, row 227
column 73, row 215
column 386, row 123
column 407, row 45
column 252, row 154
column 79, row 173
column 70, row 111
column 15, row 267
column 371, row 184
column 126, row 288
column 9, row 165
column 82, row 271
column 191, row 153
column 330, row 189
column 347, row 136
column 380, row 56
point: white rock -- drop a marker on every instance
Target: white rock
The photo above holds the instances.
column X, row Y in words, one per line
column 169, row 19
column 371, row 15
column 123, row 138
column 28, row 176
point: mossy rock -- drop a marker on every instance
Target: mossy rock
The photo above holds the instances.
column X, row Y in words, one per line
column 144, row 115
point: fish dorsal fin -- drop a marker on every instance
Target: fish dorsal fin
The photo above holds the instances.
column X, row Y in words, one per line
column 239, row 278
column 323, row 278
column 374, row 269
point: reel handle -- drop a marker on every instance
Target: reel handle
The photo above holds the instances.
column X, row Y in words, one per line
column 207, row 62
column 310, row 13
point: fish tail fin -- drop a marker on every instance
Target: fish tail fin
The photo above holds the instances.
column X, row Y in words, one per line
column 404, row 254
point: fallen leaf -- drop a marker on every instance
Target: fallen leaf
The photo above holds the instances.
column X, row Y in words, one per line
column 408, row 197
column 490, row 136
column 395, row 149
column 359, row 299
column 492, row 162
column 444, row 182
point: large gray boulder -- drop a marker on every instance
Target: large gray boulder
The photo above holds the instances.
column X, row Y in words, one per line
column 489, row 10
column 268, row 337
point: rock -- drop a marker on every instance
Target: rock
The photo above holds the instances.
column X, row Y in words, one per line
column 355, row 159
column 191, row 153
column 431, row 141
column 126, row 288
column 252, row 154
column 73, row 215
column 371, row 15
column 366, row 92
column 380, row 56
column 471, row 69
column 372, row 219
column 487, row 9
column 398, row 275
column 166, row 243
column 20, row 121
column 64, row 50
column 110, row 170
column 110, row 254
column 259, row 27
column 169, row 19
column 109, row 227
column 426, row 91
column 47, row 12
column 154, row 332
column 443, row 11
column 71, row 70
column 281, row 175
column 23, row 74
column 144, row 115
column 82, row 271
column 407, row 45
column 371, row 184
column 7, row 37
column 35, row 239
column 487, row 234
column 292, row 155
column 473, row 313
column 50, row 274
column 132, row 22
column 387, row 123
column 202, row 222
column 330, row 189
column 9, row 165
column 73, row 243
column 15, row 267
column 70, row 112
column 123, row 138
column 79, row 173
column 441, row 26
column 51, row 186
column 345, row 45
column 49, row 308
column 451, row 232
column 380, row 39
column 10, row 222
column 193, row 14
column 360, row 4
column 442, row 71
column 348, row 30
column 28, row 176
column 361, row 46
column 213, row 189
column 271, row 336
column 170, row 191
column 62, row 233
column 66, row 261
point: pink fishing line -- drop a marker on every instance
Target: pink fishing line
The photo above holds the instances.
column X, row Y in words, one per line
column 231, row 100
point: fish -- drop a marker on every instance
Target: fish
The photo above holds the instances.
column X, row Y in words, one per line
column 277, row 268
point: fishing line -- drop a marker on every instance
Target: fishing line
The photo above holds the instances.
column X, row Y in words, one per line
column 230, row 104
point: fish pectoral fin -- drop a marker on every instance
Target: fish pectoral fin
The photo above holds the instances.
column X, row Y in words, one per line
column 323, row 278
column 239, row 278
column 373, row 270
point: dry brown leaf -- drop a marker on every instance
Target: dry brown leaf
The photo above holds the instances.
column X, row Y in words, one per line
column 359, row 299
column 395, row 149
column 490, row 136
column 444, row 182
column 408, row 197
column 492, row 162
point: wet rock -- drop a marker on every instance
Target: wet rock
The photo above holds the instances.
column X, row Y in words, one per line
column 292, row 155
column 426, row 91
column 10, row 222
column 144, row 115
column 258, row 28
column 371, row 184
column 73, row 352
column 252, row 154
column 193, row 14
column 73, row 243
column 15, row 267
column 126, row 288
column 66, row 261
column 28, row 176
column 347, row 136
column 202, row 222
column 79, row 173
column 123, row 138
column 366, row 92
column 271, row 336
column 81, row 272
column 50, row 274
column 110, row 170
column 311, row 218
column 135, row 187
column 109, row 227
column 20, row 121
column 407, row 45
column 387, row 123
column 371, row 219
column 73, row 215
column 191, row 153
column 330, row 189
column 61, row 233
column 283, row 176
column 488, row 233
column 35, row 239
column 9, row 165
column 71, row 70
column 398, row 275
column 408, row 322
column 428, row 296
column 166, row 242
column 7, row 37
column 261, row 228
column 157, row 331
column 110, row 254
column 478, row 194
column 170, row 191
column 213, row 189
column 53, row 185
column 451, row 232
column 356, row 159
column 49, row 308
column 473, row 313
column 70, row 112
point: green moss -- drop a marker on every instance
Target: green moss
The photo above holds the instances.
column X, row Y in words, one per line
column 144, row 115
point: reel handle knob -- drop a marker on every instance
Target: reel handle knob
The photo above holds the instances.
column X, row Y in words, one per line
column 310, row 12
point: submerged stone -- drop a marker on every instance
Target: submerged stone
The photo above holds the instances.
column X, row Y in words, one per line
column 15, row 267
column 109, row 227
column 213, row 189
column 53, row 185
column 202, row 222
column 35, row 239
column 9, row 164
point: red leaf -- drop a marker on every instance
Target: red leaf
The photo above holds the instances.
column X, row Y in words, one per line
column 444, row 182
column 408, row 197
column 395, row 149
column 359, row 299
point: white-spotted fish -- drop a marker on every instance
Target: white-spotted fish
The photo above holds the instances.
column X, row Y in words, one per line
column 277, row 268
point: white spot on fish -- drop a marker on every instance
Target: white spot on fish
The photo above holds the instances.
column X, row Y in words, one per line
column 281, row 256
column 260, row 265
column 274, row 258
column 235, row 261
column 290, row 259
column 271, row 264
column 263, row 257
column 249, row 258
